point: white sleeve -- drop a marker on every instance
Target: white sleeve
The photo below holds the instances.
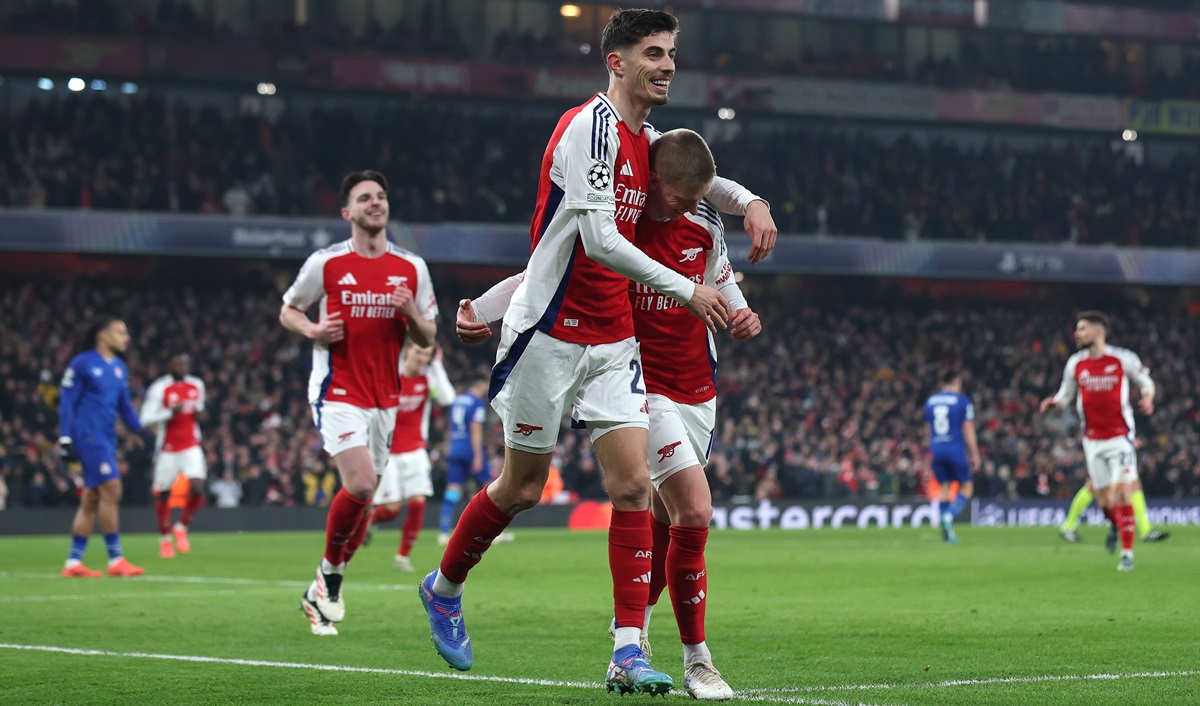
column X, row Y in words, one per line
column 440, row 387
column 491, row 305
column 585, row 159
column 731, row 197
column 426, row 301
column 718, row 273
column 309, row 286
column 1066, row 391
column 604, row 243
column 153, row 412
column 203, row 398
column 1138, row 373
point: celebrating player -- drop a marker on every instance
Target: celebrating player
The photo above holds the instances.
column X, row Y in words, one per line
column 406, row 478
column 568, row 340
column 1100, row 375
column 679, row 356
column 955, row 450
column 171, row 404
column 371, row 294
column 95, row 388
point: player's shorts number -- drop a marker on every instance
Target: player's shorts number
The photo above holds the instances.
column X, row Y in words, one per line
column 635, row 387
column 941, row 419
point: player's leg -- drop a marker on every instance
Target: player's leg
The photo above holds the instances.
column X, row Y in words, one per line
column 194, row 470
column 1101, row 472
column 415, row 486
column 1145, row 529
column 966, row 488
column 165, row 470
column 1123, row 464
column 533, row 378
column 381, row 423
column 386, row 503
column 1079, row 503
column 81, row 529
column 108, row 513
column 944, row 473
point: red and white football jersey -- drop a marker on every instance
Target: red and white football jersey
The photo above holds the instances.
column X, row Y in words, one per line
column 593, row 162
column 416, row 395
column 1101, row 386
column 679, row 356
column 177, row 430
column 361, row 369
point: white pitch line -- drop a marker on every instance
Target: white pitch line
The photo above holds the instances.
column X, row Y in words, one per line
column 377, row 670
column 207, row 579
column 976, row 682
column 141, row 595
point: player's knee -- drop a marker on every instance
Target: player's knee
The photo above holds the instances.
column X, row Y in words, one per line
column 629, row 493
column 361, row 488
column 698, row 516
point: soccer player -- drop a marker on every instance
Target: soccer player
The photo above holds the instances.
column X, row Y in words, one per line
column 95, row 388
column 171, row 404
column 467, row 458
column 372, row 295
column 1141, row 518
column 679, row 358
column 1098, row 376
column 423, row 380
column 955, row 450
column 567, row 340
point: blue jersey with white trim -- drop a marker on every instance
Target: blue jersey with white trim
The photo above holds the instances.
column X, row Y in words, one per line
column 467, row 409
column 94, row 391
column 945, row 413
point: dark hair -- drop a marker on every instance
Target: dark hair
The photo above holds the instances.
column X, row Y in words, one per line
column 98, row 325
column 628, row 27
column 1094, row 317
column 353, row 179
column 682, row 157
column 950, row 375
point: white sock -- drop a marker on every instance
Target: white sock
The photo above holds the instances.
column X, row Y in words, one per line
column 72, row 563
column 179, row 527
column 696, row 653
column 165, row 538
column 330, row 568
column 443, row 586
column 625, row 637
column 646, row 622
column 1126, row 553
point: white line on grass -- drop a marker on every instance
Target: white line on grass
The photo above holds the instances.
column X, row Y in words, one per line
column 140, row 595
column 976, row 682
column 208, row 579
column 377, row 670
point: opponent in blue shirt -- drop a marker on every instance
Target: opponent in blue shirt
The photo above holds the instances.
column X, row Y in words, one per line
column 95, row 388
column 467, row 456
column 951, row 418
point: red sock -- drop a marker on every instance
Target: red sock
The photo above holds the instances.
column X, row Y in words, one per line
column 356, row 539
column 412, row 526
column 480, row 523
column 630, row 546
column 383, row 514
column 658, row 562
column 1125, row 525
column 195, row 501
column 162, row 511
column 688, row 581
column 345, row 515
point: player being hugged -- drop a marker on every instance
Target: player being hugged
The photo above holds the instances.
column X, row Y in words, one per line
column 1097, row 377
column 172, row 404
column 371, row 295
column 953, row 447
column 95, row 388
column 568, row 342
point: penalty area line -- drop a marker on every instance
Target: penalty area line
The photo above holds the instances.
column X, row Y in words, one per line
column 394, row 672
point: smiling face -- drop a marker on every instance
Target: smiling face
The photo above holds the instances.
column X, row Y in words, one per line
column 644, row 70
column 416, row 358
column 367, row 206
column 668, row 200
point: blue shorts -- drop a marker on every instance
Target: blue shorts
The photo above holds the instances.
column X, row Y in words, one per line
column 99, row 465
column 458, row 469
column 951, row 469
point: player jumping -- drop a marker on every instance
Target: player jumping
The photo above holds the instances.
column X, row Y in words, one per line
column 95, row 388
column 1099, row 375
column 371, row 294
column 171, row 404
column 955, row 450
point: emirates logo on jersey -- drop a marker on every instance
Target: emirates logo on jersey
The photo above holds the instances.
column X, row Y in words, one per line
column 668, row 451
column 630, row 203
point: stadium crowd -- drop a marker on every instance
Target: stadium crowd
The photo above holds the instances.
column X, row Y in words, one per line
column 824, row 404
column 480, row 164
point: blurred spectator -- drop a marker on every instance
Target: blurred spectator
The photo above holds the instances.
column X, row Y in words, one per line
column 227, row 490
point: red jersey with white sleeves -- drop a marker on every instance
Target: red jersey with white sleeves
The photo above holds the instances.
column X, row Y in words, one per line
column 177, row 428
column 593, row 162
column 1101, row 386
column 417, row 393
column 361, row 369
column 679, row 356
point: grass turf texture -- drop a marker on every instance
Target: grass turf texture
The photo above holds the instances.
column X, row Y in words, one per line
column 793, row 617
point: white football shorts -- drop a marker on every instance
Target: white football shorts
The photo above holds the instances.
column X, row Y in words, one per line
column 680, row 436
column 537, row 377
column 1110, row 461
column 344, row 426
column 169, row 464
column 405, row 475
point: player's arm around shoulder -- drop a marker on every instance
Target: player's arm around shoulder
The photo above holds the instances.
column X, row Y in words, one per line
column 744, row 322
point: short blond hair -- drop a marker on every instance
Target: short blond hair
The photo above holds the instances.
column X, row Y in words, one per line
column 682, row 157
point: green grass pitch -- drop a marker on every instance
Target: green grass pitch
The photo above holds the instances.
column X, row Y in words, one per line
column 1007, row 616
